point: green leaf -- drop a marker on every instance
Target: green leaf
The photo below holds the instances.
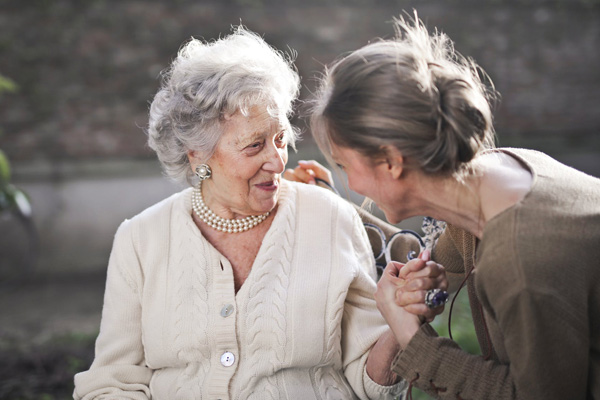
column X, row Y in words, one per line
column 7, row 85
column 4, row 169
column 21, row 201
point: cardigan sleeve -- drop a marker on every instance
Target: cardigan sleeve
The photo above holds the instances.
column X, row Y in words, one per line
column 119, row 369
column 439, row 367
column 449, row 250
column 527, row 317
column 362, row 324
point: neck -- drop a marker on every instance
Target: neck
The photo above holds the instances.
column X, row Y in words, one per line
column 457, row 203
column 500, row 183
column 216, row 203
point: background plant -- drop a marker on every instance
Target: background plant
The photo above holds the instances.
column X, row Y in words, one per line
column 14, row 202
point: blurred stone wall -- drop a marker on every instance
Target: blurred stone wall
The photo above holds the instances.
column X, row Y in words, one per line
column 86, row 71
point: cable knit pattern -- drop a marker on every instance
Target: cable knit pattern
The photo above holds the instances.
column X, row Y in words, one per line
column 191, row 313
column 300, row 327
column 266, row 310
column 329, row 384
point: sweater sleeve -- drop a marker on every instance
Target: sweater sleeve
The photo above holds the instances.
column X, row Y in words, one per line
column 449, row 251
column 362, row 324
column 526, row 309
column 439, row 367
column 119, row 369
column 442, row 369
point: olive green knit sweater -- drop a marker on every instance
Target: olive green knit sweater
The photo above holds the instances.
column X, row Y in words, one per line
column 534, row 293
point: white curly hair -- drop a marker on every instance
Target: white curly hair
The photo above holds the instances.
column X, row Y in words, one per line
column 209, row 81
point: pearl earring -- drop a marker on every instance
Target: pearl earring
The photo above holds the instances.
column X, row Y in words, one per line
column 203, row 172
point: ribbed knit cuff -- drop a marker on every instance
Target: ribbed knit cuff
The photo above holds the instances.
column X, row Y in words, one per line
column 408, row 360
column 375, row 390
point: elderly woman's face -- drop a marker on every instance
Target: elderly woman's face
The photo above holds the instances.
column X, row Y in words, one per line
column 247, row 164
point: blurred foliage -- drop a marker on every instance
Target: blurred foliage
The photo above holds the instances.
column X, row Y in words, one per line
column 15, row 204
column 11, row 198
column 44, row 371
column 463, row 331
column 7, row 85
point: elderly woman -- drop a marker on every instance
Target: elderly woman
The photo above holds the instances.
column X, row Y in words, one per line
column 410, row 123
column 245, row 286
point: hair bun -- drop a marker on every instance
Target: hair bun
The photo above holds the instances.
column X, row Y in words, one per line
column 458, row 113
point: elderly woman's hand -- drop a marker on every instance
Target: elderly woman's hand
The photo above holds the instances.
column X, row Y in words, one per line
column 402, row 323
column 307, row 171
column 415, row 278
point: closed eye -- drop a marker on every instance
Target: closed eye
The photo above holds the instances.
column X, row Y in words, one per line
column 254, row 148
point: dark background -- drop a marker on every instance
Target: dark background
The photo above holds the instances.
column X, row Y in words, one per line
column 86, row 70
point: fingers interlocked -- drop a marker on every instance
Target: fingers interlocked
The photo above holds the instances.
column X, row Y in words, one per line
column 407, row 285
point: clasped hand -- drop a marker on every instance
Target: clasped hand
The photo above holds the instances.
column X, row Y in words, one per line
column 404, row 286
column 401, row 292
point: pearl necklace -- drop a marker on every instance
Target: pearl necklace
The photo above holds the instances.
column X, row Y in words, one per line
column 221, row 224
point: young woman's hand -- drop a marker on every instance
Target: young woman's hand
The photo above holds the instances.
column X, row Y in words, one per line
column 307, row 171
column 413, row 280
column 417, row 277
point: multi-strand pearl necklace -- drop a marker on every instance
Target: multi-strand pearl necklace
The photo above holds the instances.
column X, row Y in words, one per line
column 221, row 224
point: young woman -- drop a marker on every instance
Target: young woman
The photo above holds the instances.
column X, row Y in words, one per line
column 409, row 121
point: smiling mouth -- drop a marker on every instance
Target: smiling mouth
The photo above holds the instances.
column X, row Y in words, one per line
column 268, row 185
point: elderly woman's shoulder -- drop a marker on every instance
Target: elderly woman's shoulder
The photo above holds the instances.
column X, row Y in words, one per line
column 161, row 212
column 319, row 195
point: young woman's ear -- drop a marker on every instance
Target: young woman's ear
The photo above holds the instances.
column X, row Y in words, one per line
column 394, row 160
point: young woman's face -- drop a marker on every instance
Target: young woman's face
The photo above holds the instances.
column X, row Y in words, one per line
column 247, row 164
column 358, row 168
column 370, row 178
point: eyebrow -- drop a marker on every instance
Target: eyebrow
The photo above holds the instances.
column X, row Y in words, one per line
column 259, row 135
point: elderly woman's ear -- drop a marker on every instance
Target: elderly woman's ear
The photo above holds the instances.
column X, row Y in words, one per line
column 193, row 157
column 196, row 158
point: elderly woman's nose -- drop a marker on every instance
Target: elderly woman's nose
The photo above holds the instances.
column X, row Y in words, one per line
column 276, row 159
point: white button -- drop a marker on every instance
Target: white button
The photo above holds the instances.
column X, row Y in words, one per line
column 227, row 359
column 227, row 310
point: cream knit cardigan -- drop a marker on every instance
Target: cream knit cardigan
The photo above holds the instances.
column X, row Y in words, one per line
column 302, row 323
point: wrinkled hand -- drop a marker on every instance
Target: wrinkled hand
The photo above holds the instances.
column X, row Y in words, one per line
column 412, row 281
column 404, row 325
column 307, row 171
